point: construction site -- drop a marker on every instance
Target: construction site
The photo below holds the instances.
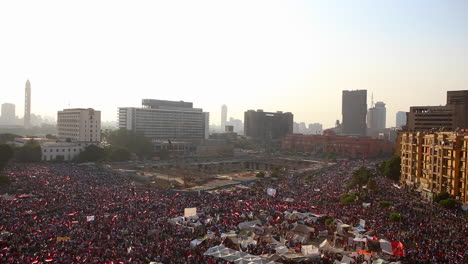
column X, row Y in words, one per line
column 192, row 175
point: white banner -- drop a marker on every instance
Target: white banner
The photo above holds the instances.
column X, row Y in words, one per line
column 188, row 212
column 89, row 218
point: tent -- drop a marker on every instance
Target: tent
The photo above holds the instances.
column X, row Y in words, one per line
column 308, row 250
column 231, row 255
column 194, row 243
column 325, row 246
column 249, row 225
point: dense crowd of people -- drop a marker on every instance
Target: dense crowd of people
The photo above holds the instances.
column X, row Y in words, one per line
column 63, row 213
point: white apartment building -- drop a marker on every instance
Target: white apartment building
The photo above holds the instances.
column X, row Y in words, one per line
column 162, row 120
column 64, row 151
column 79, row 125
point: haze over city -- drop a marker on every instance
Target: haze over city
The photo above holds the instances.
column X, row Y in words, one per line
column 293, row 56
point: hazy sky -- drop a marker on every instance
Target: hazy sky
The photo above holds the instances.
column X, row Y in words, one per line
column 294, row 56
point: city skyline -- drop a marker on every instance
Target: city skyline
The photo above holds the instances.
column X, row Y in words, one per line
column 294, row 56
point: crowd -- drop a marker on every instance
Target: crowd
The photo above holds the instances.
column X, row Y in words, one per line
column 64, row 213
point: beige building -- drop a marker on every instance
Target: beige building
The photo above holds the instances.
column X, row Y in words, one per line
column 452, row 116
column 79, row 125
column 435, row 162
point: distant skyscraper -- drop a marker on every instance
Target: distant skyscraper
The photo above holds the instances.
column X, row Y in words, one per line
column 400, row 118
column 8, row 114
column 354, row 110
column 266, row 126
column 27, row 105
column 377, row 117
column 223, row 117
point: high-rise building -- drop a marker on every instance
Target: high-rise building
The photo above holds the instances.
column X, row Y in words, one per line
column 237, row 124
column 223, row 117
column 27, row 105
column 376, row 119
column 8, row 114
column 400, row 119
column 79, row 125
column 315, row 129
column 162, row 120
column 432, row 163
column 354, row 110
column 266, row 126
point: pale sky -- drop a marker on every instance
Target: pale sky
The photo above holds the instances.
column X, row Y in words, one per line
column 292, row 56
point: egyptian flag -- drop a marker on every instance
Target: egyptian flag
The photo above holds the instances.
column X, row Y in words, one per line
column 398, row 249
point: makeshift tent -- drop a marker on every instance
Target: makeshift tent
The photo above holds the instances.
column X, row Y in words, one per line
column 307, row 250
column 249, row 225
column 325, row 246
column 194, row 243
column 386, row 246
column 231, row 255
column 374, row 245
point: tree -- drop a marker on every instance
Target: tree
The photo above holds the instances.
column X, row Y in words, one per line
column 119, row 154
column 6, row 154
column 441, row 196
column 92, row 153
column 360, row 176
column 133, row 141
column 449, row 203
column 372, row 185
column 395, row 217
column 348, row 199
column 392, row 168
column 30, row 152
column 384, row 203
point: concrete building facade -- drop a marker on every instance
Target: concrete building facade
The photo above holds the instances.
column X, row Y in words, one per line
column 63, row 151
column 354, row 147
column 266, row 126
column 354, row 111
column 435, row 162
column 162, row 120
column 450, row 117
column 79, row 125
column 8, row 114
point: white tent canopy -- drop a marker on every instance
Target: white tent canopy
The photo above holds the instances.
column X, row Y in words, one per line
column 237, row 257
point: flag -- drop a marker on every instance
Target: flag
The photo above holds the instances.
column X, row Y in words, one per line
column 398, row 249
column 89, row 218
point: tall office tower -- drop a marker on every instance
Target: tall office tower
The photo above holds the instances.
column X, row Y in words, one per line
column 8, row 114
column 27, row 105
column 377, row 117
column 265, row 126
column 354, row 110
column 400, row 119
column 79, row 125
column 162, row 120
column 223, row 117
